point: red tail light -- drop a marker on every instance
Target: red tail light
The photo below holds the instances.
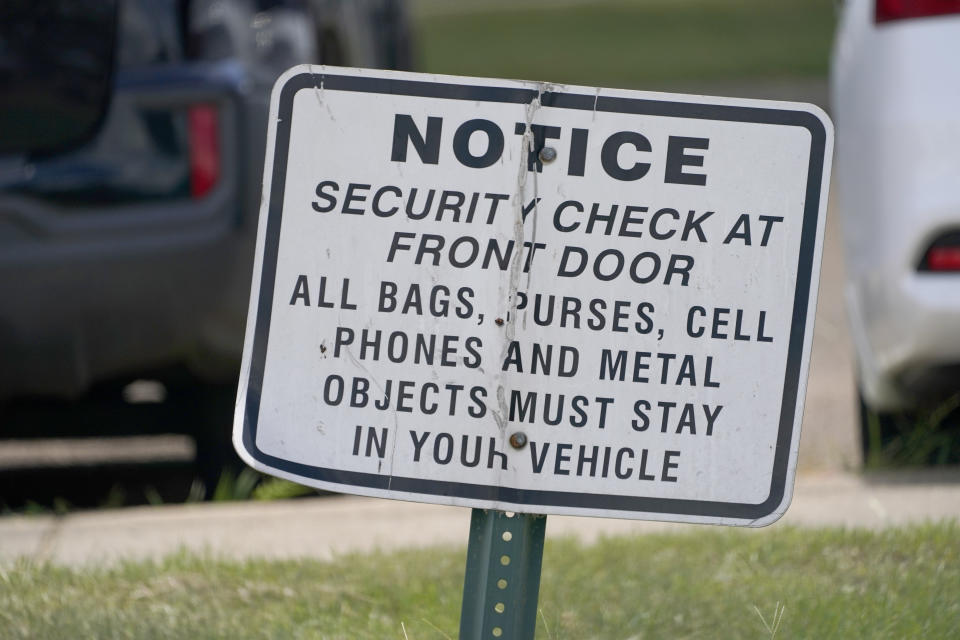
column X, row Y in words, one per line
column 942, row 259
column 888, row 10
column 204, row 130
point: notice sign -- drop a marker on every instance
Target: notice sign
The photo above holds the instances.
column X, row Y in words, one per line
column 534, row 297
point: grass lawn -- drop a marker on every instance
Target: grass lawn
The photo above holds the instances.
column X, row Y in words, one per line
column 620, row 43
column 709, row 583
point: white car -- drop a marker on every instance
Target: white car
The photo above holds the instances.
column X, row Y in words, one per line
column 895, row 83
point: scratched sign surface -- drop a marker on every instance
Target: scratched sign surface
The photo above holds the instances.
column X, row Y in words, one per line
column 534, row 297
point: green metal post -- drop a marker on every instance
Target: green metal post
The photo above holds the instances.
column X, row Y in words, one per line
column 502, row 581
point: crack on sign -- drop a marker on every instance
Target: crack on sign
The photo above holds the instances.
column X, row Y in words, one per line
column 360, row 366
column 533, row 235
column 596, row 98
column 319, row 92
column 498, row 417
column 516, row 261
column 396, row 421
column 527, row 146
column 393, row 449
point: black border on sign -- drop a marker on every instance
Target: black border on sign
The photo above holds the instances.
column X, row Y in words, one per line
column 511, row 495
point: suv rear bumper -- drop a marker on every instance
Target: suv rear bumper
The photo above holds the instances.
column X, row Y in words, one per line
column 98, row 292
column 906, row 340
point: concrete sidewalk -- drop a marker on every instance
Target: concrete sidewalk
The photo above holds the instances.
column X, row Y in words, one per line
column 329, row 526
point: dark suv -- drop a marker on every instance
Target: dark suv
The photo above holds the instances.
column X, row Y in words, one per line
column 129, row 254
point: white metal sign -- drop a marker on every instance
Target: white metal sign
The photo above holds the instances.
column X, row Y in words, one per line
column 534, row 297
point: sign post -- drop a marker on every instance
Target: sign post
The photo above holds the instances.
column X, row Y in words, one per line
column 533, row 298
column 502, row 580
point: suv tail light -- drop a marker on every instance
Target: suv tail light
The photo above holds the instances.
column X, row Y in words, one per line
column 943, row 255
column 888, row 10
column 203, row 126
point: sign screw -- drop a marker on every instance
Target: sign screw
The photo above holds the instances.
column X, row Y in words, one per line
column 518, row 440
column 548, row 154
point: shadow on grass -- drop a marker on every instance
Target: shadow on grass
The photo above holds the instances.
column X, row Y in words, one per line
column 928, row 438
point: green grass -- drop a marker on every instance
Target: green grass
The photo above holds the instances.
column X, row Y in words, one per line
column 709, row 583
column 626, row 44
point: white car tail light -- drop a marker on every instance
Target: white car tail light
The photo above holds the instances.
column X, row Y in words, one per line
column 943, row 255
column 888, row 10
column 943, row 259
